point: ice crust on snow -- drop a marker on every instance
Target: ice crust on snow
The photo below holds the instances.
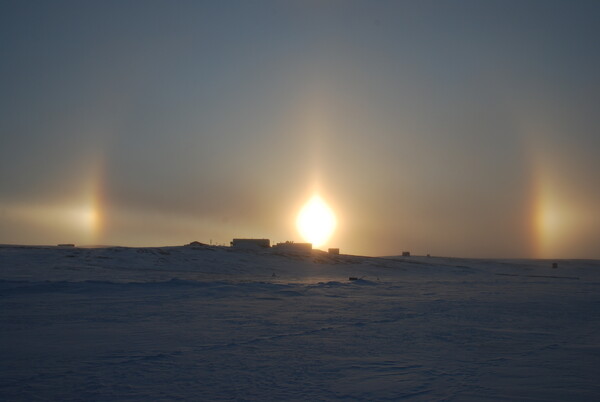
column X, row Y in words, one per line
column 214, row 323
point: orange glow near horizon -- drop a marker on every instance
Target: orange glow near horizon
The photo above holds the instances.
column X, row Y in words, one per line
column 546, row 209
column 75, row 217
column 316, row 221
column 545, row 222
column 87, row 216
column 558, row 217
column 93, row 221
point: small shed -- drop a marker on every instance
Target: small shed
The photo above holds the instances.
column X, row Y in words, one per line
column 195, row 244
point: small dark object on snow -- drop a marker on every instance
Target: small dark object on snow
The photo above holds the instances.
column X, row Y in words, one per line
column 555, row 265
column 353, row 278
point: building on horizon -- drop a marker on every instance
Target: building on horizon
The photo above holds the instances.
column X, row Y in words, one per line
column 251, row 243
column 290, row 246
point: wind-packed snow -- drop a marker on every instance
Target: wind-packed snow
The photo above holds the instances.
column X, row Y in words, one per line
column 215, row 323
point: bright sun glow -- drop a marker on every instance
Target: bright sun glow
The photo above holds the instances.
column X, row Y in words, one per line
column 316, row 221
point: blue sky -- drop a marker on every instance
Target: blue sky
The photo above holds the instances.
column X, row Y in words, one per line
column 452, row 128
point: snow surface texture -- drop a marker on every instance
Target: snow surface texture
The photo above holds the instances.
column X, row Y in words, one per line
column 214, row 323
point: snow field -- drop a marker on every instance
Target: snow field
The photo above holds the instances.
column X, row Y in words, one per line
column 212, row 323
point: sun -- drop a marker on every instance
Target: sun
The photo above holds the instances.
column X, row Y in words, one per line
column 316, row 222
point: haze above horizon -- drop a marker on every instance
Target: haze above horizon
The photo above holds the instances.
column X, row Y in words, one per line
column 459, row 129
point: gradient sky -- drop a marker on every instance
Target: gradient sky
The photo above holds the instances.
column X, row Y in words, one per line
column 455, row 128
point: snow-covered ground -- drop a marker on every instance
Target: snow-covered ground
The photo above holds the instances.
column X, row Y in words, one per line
column 213, row 323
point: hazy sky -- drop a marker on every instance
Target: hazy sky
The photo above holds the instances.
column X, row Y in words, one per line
column 455, row 128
